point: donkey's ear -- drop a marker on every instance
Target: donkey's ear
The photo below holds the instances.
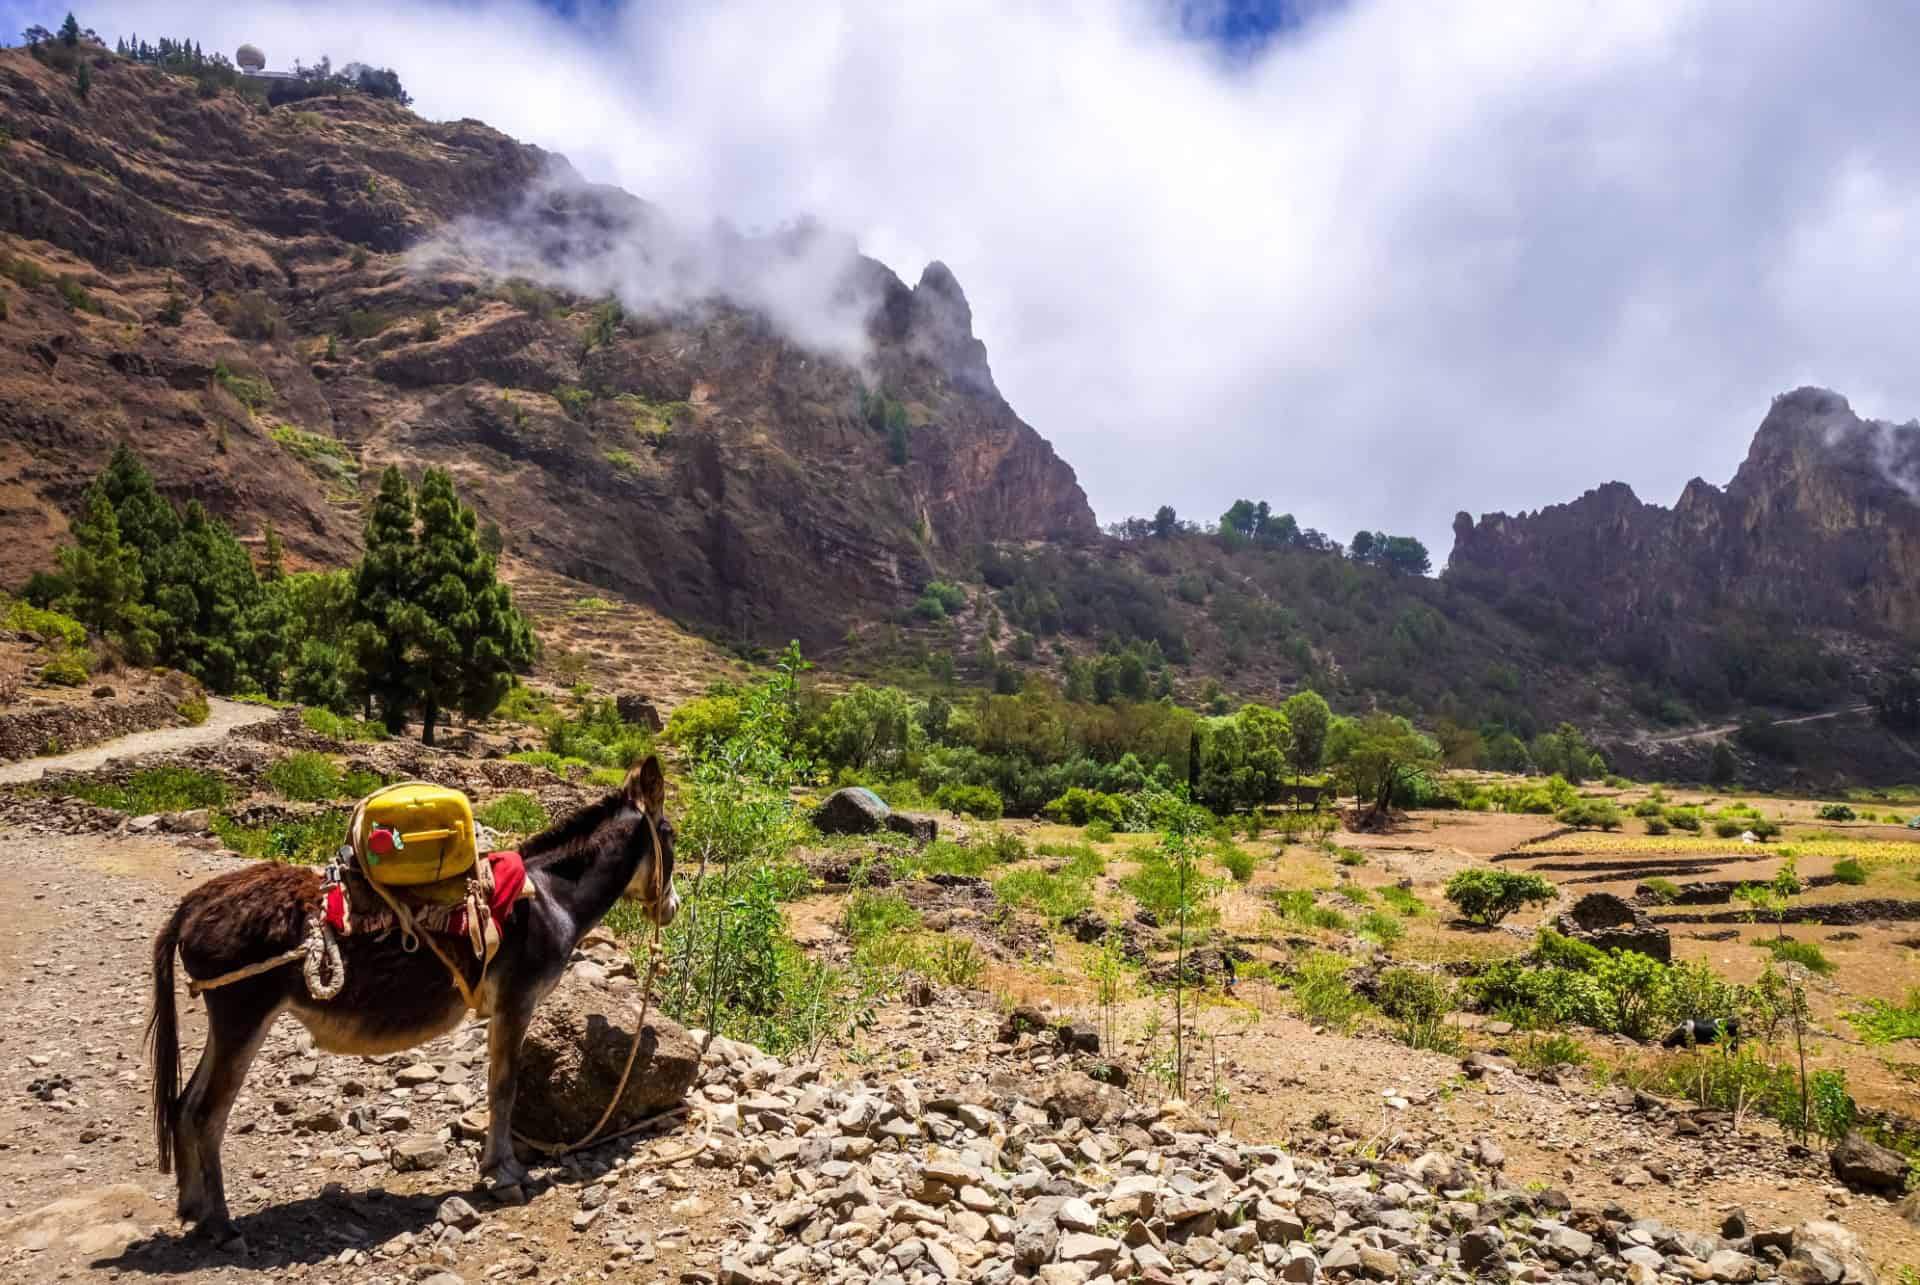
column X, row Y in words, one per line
column 647, row 785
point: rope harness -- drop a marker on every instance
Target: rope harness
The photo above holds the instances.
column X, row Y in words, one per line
column 326, row 974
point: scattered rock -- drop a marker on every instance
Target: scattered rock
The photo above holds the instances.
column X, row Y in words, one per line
column 854, row 810
column 1865, row 1165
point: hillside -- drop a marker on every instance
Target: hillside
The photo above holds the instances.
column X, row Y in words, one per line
column 224, row 285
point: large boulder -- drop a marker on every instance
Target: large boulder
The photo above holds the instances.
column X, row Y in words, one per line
column 576, row 1049
column 1607, row 922
column 639, row 712
column 854, row 810
column 1865, row 1165
column 916, row 826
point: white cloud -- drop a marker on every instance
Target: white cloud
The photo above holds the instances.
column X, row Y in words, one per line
column 1423, row 255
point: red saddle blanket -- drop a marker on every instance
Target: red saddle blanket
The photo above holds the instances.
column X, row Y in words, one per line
column 347, row 913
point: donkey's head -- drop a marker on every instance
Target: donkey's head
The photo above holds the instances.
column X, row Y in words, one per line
column 652, row 882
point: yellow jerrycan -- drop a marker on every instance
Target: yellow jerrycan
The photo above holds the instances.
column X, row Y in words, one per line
column 414, row 833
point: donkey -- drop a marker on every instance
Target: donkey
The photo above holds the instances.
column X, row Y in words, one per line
column 393, row 999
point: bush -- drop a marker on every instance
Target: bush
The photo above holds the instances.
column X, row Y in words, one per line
column 157, row 789
column 46, row 627
column 1097, row 832
column 981, row 802
column 1836, row 812
column 1657, row 825
column 306, row 841
column 1804, row 953
column 305, row 777
column 335, row 727
column 1487, row 896
column 1238, row 862
column 1299, row 906
column 70, row 667
column 1647, row 808
column 1379, row 927
column 1664, row 891
column 1419, row 1003
column 194, row 709
column 1687, row 819
column 1320, row 989
column 1591, row 814
column 1849, row 871
column 1078, row 806
column 1403, row 900
column 1057, row 896
column 516, row 813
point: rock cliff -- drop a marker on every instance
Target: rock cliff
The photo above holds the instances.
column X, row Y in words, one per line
column 273, row 304
column 1818, row 529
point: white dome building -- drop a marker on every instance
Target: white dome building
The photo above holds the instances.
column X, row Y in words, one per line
column 249, row 58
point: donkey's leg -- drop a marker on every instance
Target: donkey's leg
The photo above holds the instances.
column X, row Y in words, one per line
column 237, row 1024
column 511, row 1016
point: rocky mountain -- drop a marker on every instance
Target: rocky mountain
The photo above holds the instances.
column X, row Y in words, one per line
column 1819, row 526
column 262, row 301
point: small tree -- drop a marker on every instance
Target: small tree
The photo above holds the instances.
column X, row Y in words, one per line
column 1722, row 767
column 1170, row 886
column 383, row 585
column 1379, row 758
column 1487, row 896
column 103, row 575
column 70, row 31
column 1165, row 521
column 1309, row 719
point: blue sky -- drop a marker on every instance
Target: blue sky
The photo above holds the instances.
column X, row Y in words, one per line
column 1372, row 261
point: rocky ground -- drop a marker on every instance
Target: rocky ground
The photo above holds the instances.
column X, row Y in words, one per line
column 962, row 1157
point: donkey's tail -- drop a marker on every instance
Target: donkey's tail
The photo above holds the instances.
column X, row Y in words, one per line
column 163, row 1041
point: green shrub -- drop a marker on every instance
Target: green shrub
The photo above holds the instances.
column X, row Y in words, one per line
column 1097, row 832
column 1544, row 1052
column 1078, row 806
column 944, row 857
column 1379, row 927
column 360, row 783
column 574, row 402
column 69, row 667
column 1657, row 825
column 251, row 391
column 516, row 813
column 1882, row 1023
column 1299, row 906
column 1321, row 990
column 1836, row 812
column 1647, row 808
column 1684, row 819
column 75, row 297
column 305, row 841
column 327, row 456
column 305, row 777
column 1350, row 856
column 1237, row 862
column 874, row 913
column 1664, row 891
column 1590, row 814
column 194, row 709
column 1057, row 896
column 362, row 323
column 1764, row 828
column 1487, row 896
column 981, row 802
column 47, row 627
column 1007, row 846
column 1419, row 1003
column 335, row 727
column 1403, row 900
column 156, row 789
column 1804, row 953
column 1849, row 871
column 1728, row 827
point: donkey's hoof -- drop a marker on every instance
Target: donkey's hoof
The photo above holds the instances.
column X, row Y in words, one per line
column 507, row 1172
column 216, row 1227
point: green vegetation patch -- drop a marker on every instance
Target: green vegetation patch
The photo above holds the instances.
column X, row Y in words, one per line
column 1880, row 1022
column 517, row 813
column 306, row 776
column 251, row 391
column 304, row 841
column 341, row 728
column 168, row 788
column 327, row 456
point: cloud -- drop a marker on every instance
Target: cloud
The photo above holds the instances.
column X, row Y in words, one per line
column 1409, row 257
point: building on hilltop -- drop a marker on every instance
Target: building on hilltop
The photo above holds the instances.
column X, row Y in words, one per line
column 253, row 65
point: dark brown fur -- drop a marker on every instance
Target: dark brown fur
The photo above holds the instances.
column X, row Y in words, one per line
column 392, row 998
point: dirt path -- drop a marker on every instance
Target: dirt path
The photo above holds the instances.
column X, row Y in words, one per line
column 223, row 716
column 1728, row 729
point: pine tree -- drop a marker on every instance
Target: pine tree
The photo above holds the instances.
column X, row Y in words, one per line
column 467, row 636
column 383, row 587
column 70, row 31
column 147, row 520
column 273, row 555
column 103, row 576
column 206, row 596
